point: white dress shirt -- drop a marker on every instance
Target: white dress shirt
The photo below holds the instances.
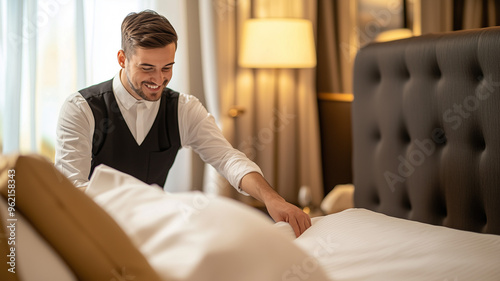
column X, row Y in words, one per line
column 197, row 129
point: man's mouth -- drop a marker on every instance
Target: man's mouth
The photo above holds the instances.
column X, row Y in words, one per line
column 152, row 86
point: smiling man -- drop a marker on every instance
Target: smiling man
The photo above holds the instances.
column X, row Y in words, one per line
column 135, row 124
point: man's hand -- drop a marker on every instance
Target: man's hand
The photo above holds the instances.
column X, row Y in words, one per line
column 280, row 210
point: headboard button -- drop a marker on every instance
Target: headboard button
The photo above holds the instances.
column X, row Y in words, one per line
column 376, row 135
column 405, row 137
column 482, row 144
column 477, row 140
column 439, row 136
column 437, row 73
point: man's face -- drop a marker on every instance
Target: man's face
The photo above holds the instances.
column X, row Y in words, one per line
column 147, row 72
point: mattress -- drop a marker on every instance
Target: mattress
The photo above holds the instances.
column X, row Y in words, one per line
column 358, row 244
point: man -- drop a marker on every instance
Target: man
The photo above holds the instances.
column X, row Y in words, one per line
column 135, row 124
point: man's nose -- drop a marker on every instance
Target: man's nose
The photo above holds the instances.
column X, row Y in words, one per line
column 157, row 77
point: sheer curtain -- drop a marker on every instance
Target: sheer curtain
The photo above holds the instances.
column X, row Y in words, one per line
column 38, row 71
column 50, row 49
column 291, row 159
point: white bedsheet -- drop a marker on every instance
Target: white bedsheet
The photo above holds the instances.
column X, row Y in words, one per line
column 359, row 244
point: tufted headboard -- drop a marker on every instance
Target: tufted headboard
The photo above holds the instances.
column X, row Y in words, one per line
column 426, row 129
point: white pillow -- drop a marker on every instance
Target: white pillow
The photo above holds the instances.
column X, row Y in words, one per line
column 191, row 236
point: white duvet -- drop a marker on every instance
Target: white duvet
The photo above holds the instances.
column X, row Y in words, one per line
column 193, row 237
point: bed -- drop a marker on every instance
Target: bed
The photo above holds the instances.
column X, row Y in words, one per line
column 426, row 164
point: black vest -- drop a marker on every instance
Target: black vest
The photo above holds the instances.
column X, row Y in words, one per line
column 114, row 145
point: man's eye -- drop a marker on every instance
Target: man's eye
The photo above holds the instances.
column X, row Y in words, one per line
column 147, row 68
column 167, row 69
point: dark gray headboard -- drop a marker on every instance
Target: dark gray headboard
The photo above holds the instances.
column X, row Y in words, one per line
column 426, row 129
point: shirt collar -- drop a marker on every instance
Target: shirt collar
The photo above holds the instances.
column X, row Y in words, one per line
column 126, row 99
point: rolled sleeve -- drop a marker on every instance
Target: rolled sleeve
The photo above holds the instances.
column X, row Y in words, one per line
column 73, row 152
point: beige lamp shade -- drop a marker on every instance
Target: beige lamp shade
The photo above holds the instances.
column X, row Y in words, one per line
column 277, row 43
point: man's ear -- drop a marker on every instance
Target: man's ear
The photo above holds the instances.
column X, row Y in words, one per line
column 121, row 58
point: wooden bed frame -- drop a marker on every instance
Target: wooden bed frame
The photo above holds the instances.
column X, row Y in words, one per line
column 426, row 129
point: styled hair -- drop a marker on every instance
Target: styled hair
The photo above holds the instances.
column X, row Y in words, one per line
column 146, row 29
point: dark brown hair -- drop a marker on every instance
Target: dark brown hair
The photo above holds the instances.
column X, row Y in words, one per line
column 146, row 29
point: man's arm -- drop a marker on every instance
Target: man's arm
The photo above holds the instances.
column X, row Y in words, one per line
column 280, row 210
column 75, row 128
column 199, row 131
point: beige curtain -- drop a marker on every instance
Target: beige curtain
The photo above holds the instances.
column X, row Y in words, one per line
column 279, row 128
column 437, row 16
column 448, row 15
column 479, row 14
column 338, row 44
